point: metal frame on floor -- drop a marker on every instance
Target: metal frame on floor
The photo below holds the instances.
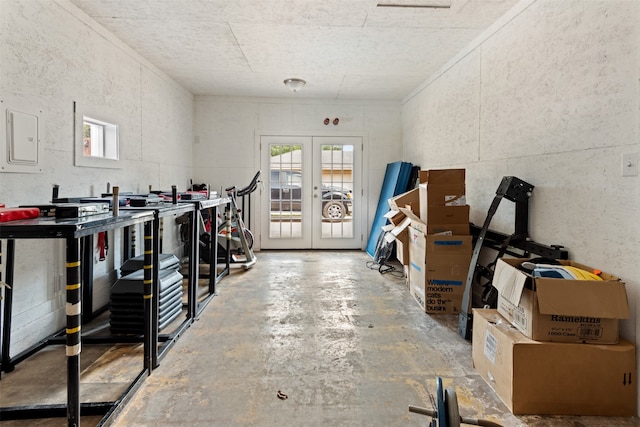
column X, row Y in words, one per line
column 518, row 244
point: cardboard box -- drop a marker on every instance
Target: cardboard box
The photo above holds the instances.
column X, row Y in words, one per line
column 442, row 176
column 437, row 270
column 444, row 187
column 445, row 214
column 400, row 234
column 402, row 250
column 442, row 195
column 395, row 217
column 409, row 199
column 561, row 310
column 549, row 378
column 441, row 295
column 418, row 223
column 449, row 245
column 457, row 217
column 455, row 229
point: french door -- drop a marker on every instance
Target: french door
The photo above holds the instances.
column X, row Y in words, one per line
column 311, row 197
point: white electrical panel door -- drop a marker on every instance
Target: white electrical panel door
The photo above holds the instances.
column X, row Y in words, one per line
column 22, row 138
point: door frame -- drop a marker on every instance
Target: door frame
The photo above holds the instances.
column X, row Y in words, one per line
column 262, row 191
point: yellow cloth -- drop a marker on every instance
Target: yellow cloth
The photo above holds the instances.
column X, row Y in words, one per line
column 582, row 274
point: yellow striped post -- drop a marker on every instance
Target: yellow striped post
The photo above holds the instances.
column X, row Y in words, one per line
column 74, row 325
column 148, row 294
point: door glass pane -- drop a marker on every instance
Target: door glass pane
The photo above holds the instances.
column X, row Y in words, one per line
column 285, row 198
column 337, row 191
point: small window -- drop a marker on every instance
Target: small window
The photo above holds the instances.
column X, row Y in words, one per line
column 99, row 139
column 96, row 139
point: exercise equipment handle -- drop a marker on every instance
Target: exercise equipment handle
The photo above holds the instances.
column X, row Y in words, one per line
column 464, row 420
column 251, row 187
column 423, row 411
column 477, row 422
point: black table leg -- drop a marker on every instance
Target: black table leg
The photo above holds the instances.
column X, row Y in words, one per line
column 148, row 293
column 155, row 291
column 5, row 358
column 74, row 320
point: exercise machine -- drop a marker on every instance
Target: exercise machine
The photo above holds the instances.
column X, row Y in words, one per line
column 517, row 245
column 233, row 230
column 447, row 412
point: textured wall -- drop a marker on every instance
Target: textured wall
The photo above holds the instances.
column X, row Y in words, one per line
column 549, row 94
column 225, row 151
column 52, row 55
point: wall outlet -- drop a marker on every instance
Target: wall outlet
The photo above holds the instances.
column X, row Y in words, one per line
column 630, row 164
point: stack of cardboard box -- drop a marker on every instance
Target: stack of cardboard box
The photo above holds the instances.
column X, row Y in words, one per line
column 552, row 346
column 399, row 223
column 440, row 245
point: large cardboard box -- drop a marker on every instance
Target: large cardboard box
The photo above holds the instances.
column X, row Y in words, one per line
column 442, row 176
column 437, row 228
column 456, row 229
column 444, row 220
column 550, row 378
column 438, row 269
column 561, row 310
column 442, row 195
column 441, row 188
column 445, row 214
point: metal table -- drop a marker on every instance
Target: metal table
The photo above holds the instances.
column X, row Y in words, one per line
column 160, row 212
column 73, row 230
column 214, row 206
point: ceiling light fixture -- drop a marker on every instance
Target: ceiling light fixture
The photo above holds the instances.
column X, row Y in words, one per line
column 294, row 84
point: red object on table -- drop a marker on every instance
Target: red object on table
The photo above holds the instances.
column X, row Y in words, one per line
column 14, row 214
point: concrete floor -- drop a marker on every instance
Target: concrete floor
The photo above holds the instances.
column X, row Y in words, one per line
column 348, row 346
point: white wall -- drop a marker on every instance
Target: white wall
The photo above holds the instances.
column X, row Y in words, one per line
column 226, row 128
column 52, row 55
column 549, row 94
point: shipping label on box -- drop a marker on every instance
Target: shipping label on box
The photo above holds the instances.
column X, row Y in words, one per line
column 561, row 310
column 549, row 378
